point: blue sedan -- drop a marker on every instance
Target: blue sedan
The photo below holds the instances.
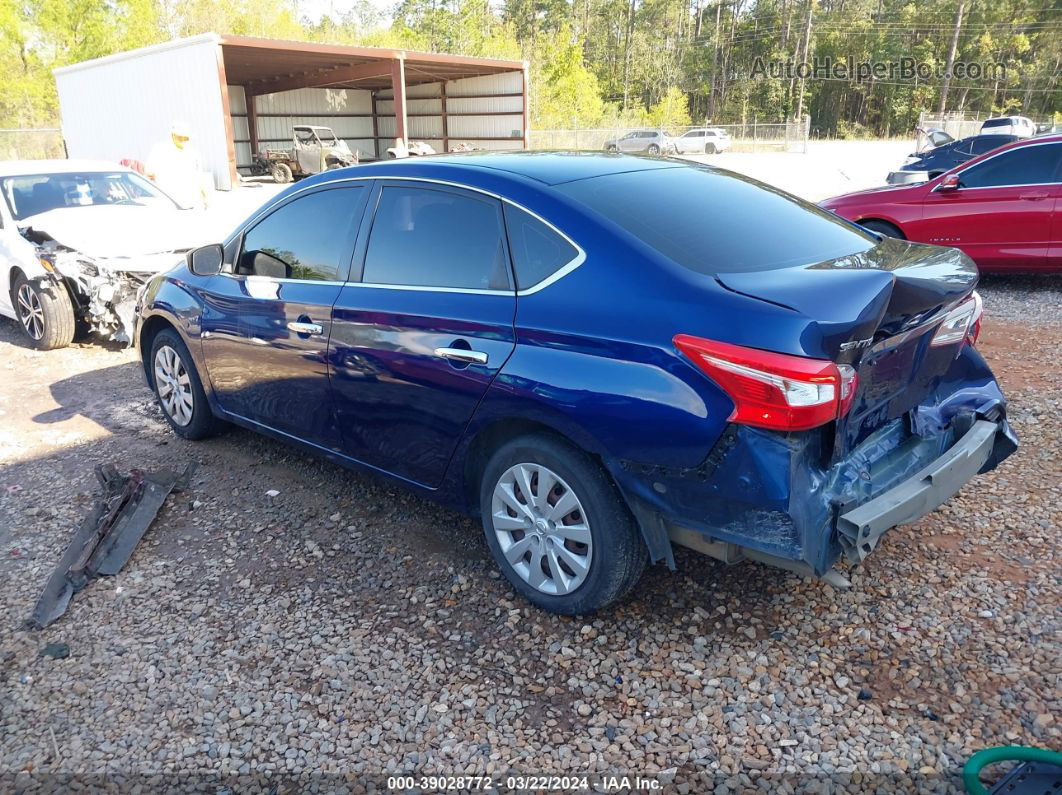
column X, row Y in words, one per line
column 602, row 356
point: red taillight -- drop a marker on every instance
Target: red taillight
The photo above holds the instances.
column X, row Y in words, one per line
column 774, row 390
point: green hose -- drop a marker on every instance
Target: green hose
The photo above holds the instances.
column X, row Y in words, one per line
column 991, row 756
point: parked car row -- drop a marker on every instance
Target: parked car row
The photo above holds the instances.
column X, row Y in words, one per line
column 700, row 140
column 1003, row 208
column 785, row 398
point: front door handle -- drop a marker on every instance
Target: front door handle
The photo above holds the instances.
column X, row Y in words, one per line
column 1035, row 195
column 299, row 327
column 462, row 355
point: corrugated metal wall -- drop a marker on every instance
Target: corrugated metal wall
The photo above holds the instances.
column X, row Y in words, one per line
column 120, row 107
column 473, row 96
column 347, row 111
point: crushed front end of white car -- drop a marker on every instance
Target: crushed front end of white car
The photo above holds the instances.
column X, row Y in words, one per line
column 104, row 255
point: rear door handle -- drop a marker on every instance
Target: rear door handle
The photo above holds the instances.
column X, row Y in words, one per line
column 299, row 327
column 1035, row 196
column 462, row 355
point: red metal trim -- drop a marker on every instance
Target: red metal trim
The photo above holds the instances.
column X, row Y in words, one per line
column 230, row 133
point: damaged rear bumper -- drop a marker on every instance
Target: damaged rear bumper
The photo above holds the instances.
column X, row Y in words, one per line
column 794, row 501
column 923, row 492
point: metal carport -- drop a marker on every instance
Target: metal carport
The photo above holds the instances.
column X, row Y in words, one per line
column 239, row 93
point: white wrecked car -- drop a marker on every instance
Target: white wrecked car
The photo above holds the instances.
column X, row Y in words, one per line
column 77, row 239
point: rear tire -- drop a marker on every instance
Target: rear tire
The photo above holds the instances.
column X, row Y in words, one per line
column 709, row 149
column 178, row 388
column 883, row 228
column 45, row 312
column 572, row 561
column 613, row 149
column 281, row 173
column 653, row 149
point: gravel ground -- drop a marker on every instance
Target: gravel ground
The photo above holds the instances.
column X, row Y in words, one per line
column 344, row 628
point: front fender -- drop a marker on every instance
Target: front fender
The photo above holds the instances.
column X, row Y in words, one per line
column 169, row 298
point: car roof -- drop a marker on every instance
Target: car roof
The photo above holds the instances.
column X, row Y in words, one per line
column 19, row 168
column 548, row 168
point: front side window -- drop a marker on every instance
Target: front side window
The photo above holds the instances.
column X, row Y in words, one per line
column 38, row 193
column 1027, row 165
column 537, row 250
column 306, row 239
column 436, row 238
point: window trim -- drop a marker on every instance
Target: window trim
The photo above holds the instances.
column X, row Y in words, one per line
column 512, row 260
column 556, row 276
column 1055, row 181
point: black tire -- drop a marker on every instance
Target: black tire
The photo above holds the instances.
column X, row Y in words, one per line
column 883, row 228
column 281, row 173
column 653, row 149
column 618, row 554
column 612, row 149
column 709, row 149
column 202, row 422
column 45, row 312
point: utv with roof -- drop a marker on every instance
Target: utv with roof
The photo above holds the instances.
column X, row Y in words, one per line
column 313, row 150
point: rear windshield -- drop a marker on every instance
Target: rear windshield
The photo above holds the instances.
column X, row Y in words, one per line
column 996, row 123
column 712, row 221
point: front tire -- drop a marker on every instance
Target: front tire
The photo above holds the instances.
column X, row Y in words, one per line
column 45, row 312
column 281, row 173
column 558, row 528
column 883, row 228
column 178, row 388
column 709, row 149
column 653, row 149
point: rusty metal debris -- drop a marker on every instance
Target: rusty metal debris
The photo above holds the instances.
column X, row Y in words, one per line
column 107, row 536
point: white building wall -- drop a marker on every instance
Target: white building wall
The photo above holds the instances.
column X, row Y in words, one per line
column 120, row 106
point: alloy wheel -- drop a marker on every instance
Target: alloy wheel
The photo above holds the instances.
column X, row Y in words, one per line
column 542, row 528
column 30, row 311
column 173, row 385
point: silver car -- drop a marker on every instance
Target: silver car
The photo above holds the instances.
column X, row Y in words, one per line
column 653, row 142
column 702, row 140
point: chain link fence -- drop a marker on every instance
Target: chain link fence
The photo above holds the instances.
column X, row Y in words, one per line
column 36, row 144
column 752, row 137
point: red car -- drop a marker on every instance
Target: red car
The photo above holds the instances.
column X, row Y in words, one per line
column 1003, row 209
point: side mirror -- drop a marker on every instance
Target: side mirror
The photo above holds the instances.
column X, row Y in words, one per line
column 949, row 183
column 206, row 260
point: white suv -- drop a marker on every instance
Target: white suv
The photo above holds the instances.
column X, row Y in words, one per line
column 1020, row 126
column 702, row 140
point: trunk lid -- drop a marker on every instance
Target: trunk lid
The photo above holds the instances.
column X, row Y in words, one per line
column 876, row 311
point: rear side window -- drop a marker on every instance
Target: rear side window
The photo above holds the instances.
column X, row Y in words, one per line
column 537, row 250
column 306, row 239
column 434, row 238
column 715, row 222
column 1026, row 165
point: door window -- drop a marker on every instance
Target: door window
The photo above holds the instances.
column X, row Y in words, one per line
column 537, row 250
column 436, row 238
column 1027, row 165
column 306, row 239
